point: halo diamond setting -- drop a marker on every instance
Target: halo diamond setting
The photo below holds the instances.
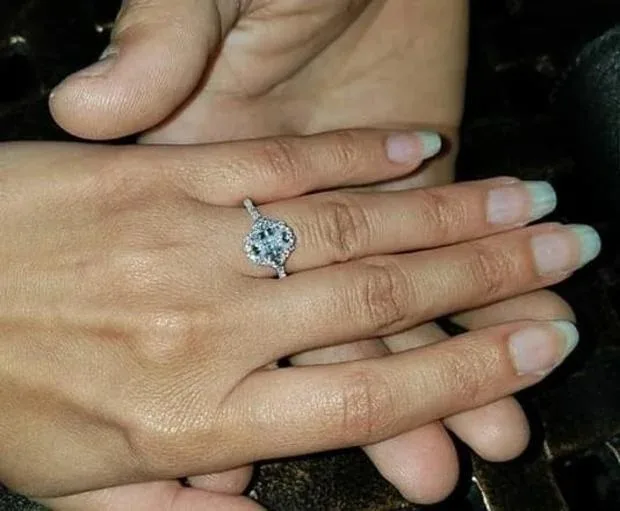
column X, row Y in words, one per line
column 270, row 242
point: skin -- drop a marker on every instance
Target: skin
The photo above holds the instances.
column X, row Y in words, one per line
column 265, row 82
column 114, row 266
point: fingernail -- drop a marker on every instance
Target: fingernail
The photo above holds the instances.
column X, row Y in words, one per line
column 522, row 202
column 102, row 66
column 110, row 50
column 543, row 199
column 431, row 144
column 412, row 148
column 539, row 349
column 589, row 242
column 565, row 250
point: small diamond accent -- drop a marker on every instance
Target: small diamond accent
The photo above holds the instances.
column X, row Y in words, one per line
column 270, row 241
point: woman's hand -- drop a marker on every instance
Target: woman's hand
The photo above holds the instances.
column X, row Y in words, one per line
column 414, row 76
column 136, row 333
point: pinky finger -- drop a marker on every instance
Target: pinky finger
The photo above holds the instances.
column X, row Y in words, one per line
column 301, row 410
column 279, row 168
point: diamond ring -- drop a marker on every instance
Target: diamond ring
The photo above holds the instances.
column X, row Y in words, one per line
column 270, row 241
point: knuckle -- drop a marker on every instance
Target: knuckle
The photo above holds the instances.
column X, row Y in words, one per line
column 283, row 162
column 169, row 338
column 344, row 226
column 491, row 269
column 366, row 407
column 441, row 216
column 468, row 375
column 346, row 152
column 467, row 390
column 383, row 295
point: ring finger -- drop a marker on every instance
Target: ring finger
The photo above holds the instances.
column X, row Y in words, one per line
column 336, row 227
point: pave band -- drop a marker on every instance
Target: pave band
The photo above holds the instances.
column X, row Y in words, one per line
column 270, row 242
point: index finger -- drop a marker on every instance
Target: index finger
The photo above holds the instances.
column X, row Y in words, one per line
column 284, row 167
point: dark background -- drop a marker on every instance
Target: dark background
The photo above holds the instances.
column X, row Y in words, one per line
column 543, row 103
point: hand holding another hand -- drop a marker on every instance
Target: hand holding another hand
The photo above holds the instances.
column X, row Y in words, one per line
column 126, row 286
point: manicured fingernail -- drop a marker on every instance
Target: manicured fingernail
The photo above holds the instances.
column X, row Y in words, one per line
column 431, row 144
column 589, row 243
column 543, row 199
column 565, row 250
column 518, row 203
column 412, row 148
column 539, row 349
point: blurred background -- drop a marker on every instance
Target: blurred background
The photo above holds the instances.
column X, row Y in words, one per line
column 543, row 103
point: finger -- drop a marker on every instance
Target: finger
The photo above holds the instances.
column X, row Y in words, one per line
column 383, row 295
column 159, row 496
column 278, row 168
column 156, row 58
column 539, row 305
column 500, row 431
column 231, row 482
column 339, row 227
column 422, row 464
column 310, row 409
column 497, row 431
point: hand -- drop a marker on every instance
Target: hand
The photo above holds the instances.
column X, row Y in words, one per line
column 277, row 66
column 124, row 349
column 413, row 77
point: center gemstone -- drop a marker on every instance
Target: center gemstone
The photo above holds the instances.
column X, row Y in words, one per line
column 269, row 243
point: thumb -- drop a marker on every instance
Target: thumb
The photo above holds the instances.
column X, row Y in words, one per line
column 157, row 55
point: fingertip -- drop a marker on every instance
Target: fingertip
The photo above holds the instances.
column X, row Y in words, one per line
column 498, row 432
column 421, row 464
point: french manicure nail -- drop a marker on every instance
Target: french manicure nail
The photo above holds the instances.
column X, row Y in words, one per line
column 522, row 202
column 565, row 250
column 412, row 148
column 543, row 199
column 589, row 243
column 431, row 144
column 539, row 349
